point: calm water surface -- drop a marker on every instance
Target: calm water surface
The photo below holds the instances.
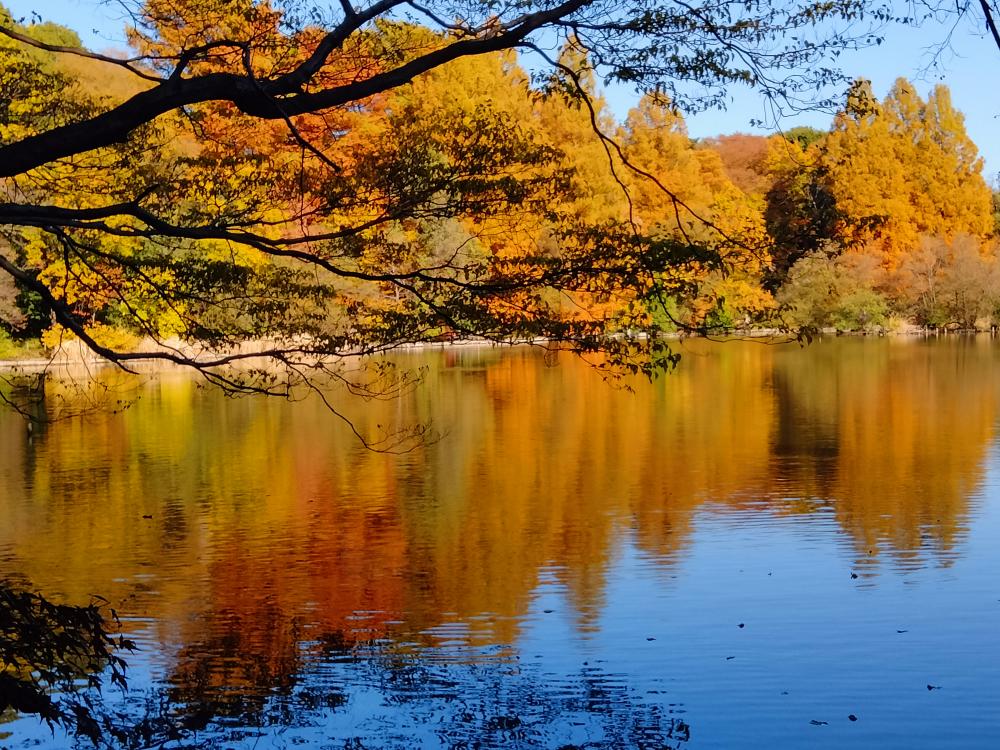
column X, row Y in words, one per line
column 571, row 564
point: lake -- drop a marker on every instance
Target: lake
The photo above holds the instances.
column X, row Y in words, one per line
column 770, row 547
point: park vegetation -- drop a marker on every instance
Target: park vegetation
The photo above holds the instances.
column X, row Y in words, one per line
column 328, row 187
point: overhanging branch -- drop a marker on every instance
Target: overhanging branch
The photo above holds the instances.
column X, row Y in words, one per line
column 277, row 98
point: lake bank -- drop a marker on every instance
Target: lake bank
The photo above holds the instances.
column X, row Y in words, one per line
column 75, row 354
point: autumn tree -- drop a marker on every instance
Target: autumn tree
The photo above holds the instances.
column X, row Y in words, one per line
column 902, row 169
column 744, row 157
column 953, row 283
column 801, row 211
column 680, row 191
column 296, row 175
column 898, row 181
column 570, row 108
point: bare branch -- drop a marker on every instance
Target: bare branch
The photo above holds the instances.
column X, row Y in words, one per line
column 127, row 64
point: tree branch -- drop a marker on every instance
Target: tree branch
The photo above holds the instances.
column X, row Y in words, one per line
column 80, row 52
column 274, row 99
column 990, row 21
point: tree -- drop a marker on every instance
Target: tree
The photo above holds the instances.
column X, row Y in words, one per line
column 842, row 291
column 681, row 193
column 745, row 159
column 950, row 283
column 889, row 178
column 275, row 171
column 801, row 213
column 902, row 169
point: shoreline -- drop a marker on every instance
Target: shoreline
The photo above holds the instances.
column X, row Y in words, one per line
column 76, row 355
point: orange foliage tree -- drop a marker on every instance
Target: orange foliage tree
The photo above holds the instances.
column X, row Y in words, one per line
column 342, row 182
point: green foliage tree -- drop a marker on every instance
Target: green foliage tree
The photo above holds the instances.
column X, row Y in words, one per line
column 841, row 291
column 804, row 136
column 801, row 211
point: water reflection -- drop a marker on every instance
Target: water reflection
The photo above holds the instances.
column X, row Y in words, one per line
column 894, row 437
column 376, row 694
column 240, row 536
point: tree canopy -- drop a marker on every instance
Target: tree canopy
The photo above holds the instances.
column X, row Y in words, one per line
column 340, row 182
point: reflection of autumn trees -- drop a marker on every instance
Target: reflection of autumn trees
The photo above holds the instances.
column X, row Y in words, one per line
column 897, row 438
column 271, row 529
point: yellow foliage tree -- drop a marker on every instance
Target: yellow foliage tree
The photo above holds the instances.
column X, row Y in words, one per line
column 903, row 169
column 690, row 197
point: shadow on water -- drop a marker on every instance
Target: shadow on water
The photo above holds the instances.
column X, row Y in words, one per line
column 55, row 658
column 377, row 694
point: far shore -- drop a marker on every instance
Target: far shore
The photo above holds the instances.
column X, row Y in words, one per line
column 75, row 354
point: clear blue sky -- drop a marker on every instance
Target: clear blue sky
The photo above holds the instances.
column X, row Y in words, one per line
column 971, row 70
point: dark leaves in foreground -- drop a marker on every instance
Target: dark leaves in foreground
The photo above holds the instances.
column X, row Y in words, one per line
column 55, row 657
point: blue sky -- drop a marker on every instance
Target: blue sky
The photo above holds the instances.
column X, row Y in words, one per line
column 970, row 68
